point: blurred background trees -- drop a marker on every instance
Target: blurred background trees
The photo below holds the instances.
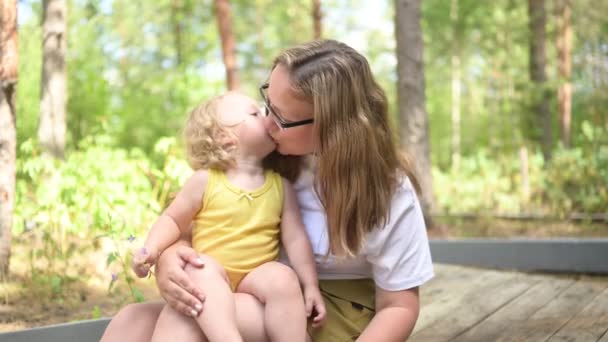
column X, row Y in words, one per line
column 134, row 69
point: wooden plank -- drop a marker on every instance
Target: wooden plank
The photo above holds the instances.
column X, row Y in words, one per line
column 589, row 324
column 466, row 310
column 449, row 295
column 446, row 272
column 515, row 313
column 548, row 320
column 445, row 277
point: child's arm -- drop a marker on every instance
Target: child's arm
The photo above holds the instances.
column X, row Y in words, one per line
column 298, row 248
column 172, row 222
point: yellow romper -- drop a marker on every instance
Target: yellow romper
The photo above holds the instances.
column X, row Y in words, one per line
column 239, row 228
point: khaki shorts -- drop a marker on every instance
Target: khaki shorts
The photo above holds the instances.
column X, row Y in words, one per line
column 350, row 308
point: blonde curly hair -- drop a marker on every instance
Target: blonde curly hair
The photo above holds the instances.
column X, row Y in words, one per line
column 203, row 133
column 208, row 145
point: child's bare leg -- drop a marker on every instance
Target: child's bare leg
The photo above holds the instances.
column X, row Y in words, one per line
column 277, row 286
column 218, row 318
column 174, row 326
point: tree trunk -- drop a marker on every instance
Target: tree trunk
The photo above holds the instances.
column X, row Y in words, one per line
column 8, row 131
column 412, row 112
column 538, row 61
column 224, row 21
column 53, row 90
column 176, row 16
column 456, row 82
column 564, row 61
column 317, row 18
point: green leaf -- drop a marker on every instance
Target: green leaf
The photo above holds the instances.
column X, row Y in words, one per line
column 96, row 312
column 111, row 257
column 138, row 295
column 587, row 130
column 56, row 284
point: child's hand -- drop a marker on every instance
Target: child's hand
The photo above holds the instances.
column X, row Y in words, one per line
column 143, row 259
column 315, row 307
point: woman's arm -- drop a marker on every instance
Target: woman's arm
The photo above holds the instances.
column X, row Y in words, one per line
column 396, row 315
column 401, row 259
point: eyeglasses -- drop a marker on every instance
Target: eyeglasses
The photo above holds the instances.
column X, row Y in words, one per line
column 282, row 123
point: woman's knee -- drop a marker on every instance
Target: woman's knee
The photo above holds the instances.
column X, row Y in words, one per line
column 133, row 322
column 139, row 311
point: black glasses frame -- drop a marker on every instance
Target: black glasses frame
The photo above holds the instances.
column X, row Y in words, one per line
column 277, row 118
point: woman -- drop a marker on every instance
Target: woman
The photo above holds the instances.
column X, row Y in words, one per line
column 357, row 200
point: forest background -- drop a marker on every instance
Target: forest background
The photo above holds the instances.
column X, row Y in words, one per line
column 513, row 99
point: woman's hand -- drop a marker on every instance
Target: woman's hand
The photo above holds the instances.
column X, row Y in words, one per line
column 174, row 284
column 314, row 305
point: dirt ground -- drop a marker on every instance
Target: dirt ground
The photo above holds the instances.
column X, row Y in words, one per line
column 32, row 298
column 20, row 309
column 24, row 304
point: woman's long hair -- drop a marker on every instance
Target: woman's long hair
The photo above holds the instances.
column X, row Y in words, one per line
column 358, row 165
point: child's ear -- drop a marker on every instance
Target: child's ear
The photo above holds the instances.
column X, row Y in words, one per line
column 226, row 139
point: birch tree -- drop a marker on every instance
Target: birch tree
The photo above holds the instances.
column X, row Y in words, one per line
column 53, row 87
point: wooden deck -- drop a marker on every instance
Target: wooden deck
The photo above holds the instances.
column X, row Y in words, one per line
column 471, row 304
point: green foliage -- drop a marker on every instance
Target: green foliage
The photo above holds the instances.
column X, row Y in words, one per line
column 96, row 312
column 577, row 180
column 486, row 183
column 89, row 92
column 490, row 41
column 28, row 87
column 99, row 194
column 119, row 260
column 80, row 192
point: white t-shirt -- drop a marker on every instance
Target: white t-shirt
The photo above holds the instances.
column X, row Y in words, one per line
column 396, row 256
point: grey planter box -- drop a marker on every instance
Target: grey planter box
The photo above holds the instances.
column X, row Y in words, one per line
column 547, row 255
column 83, row 331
